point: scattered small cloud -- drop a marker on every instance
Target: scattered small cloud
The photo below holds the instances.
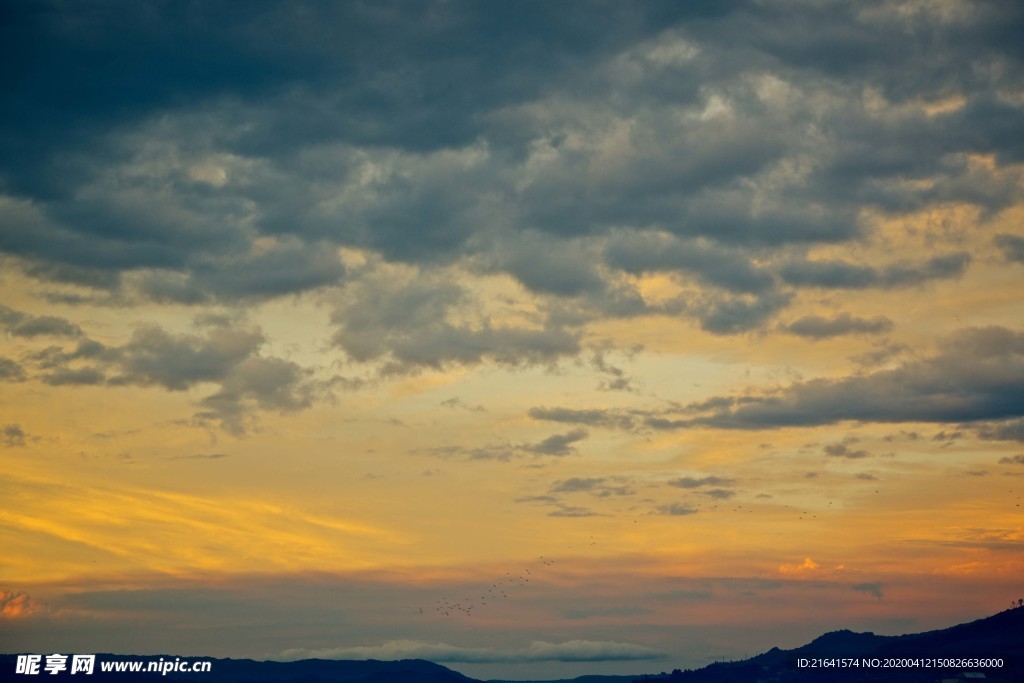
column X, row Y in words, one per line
column 871, row 588
column 843, row 450
column 601, row 487
column 595, row 417
column 808, row 565
column 12, row 435
column 557, row 444
column 816, row 327
column 457, row 403
column 698, row 482
column 1012, row 247
column 11, row 371
column 200, row 456
column 675, row 510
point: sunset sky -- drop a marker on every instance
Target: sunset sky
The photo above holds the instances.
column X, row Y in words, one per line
column 537, row 339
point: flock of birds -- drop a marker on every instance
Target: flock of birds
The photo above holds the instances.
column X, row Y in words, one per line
column 495, row 592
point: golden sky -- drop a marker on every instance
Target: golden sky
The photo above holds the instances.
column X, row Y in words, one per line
column 536, row 342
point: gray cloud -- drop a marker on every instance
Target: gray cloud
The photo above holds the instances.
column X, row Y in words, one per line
column 842, row 449
column 287, row 267
column 871, row 588
column 177, row 362
column 456, row 402
column 1005, row 430
column 11, row 371
column 577, row 484
column 63, row 376
column 976, row 376
column 724, row 267
column 542, row 500
column 598, row 486
column 817, row 327
column 591, row 417
column 843, row 275
column 200, row 456
column 675, row 510
column 703, row 140
column 228, row 357
column 410, row 325
column 21, row 324
column 734, row 314
column 693, row 482
column 1012, row 460
column 1012, row 247
column 549, row 266
column 557, row 444
column 12, row 435
column 571, row 511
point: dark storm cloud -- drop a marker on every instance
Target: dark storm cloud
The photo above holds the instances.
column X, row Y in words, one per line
column 977, row 375
column 817, row 327
column 202, row 153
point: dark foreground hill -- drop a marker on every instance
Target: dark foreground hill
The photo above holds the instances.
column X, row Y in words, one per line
column 989, row 650
column 249, row 671
column 961, row 653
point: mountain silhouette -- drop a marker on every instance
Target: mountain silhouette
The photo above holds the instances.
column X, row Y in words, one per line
column 998, row 637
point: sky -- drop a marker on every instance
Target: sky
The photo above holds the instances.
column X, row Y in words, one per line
column 536, row 339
